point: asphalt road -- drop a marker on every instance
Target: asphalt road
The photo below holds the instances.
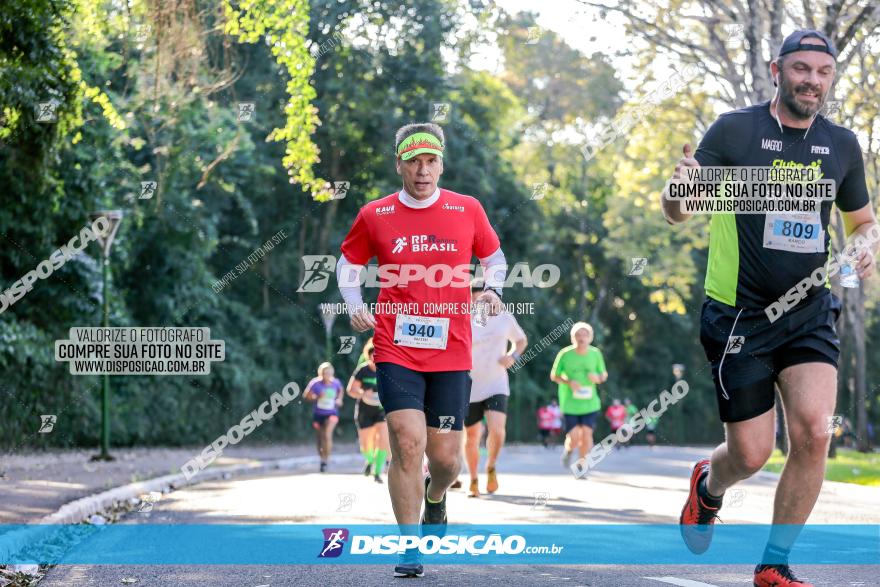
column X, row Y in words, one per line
column 635, row 485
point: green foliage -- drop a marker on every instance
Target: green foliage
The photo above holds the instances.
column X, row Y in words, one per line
column 148, row 94
column 283, row 26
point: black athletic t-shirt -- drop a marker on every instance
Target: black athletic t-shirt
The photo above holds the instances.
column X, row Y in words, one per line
column 753, row 259
column 367, row 376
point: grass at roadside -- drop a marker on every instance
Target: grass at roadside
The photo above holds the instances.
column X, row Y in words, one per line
column 849, row 467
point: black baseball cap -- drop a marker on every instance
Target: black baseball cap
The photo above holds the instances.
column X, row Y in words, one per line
column 793, row 42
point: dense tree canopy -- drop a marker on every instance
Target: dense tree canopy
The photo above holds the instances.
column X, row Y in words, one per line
column 153, row 92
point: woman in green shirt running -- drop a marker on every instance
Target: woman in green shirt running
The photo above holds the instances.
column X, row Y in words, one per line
column 578, row 369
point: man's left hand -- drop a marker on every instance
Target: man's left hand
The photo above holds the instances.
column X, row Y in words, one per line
column 865, row 264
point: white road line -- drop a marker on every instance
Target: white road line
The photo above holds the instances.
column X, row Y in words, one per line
column 680, row 582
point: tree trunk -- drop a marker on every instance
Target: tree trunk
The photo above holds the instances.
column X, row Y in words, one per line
column 327, row 224
column 265, row 271
column 301, row 250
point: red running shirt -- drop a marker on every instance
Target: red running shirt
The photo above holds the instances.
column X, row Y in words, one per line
column 616, row 416
column 449, row 232
column 545, row 418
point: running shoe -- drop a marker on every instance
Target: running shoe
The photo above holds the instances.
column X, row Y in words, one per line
column 566, row 458
column 378, row 479
column 776, row 576
column 697, row 518
column 456, row 485
column 409, row 571
column 367, row 469
column 492, row 483
column 323, row 467
column 435, row 513
column 474, row 490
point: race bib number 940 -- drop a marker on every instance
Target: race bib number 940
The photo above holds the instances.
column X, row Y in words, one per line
column 423, row 332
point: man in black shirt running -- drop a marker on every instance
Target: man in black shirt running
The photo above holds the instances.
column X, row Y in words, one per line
column 755, row 260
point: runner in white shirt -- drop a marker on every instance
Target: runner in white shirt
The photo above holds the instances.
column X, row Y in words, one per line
column 490, row 389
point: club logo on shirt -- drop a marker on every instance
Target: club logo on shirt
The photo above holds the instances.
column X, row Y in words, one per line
column 334, row 540
column 771, row 145
column 453, row 208
column 816, row 165
column 385, row 210
column 425, row 243
column 819, row 150
column 399, row 244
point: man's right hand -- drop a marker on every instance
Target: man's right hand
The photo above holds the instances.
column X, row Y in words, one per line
column 574, row 385
column 686, row 161
column 363, row 320
column 672, row 208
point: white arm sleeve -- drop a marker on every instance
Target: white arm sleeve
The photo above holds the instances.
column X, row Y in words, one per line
column 348, row 278
column 494, row 269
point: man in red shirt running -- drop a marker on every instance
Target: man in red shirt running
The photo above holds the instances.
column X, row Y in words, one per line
column 424, row 239
column 616, row 415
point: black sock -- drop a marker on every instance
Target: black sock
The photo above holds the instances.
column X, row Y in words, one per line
column 775, row 555
column 708, row 498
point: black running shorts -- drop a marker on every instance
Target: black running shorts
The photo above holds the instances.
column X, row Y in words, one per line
column 366, row 416
column 442, row 395
column 757, row 350
column 572, row 421
column 495, row 403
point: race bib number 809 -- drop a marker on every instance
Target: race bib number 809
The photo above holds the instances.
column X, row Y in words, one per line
column 796, row 233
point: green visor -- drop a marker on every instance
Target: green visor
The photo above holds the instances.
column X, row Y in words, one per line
column 418, row 143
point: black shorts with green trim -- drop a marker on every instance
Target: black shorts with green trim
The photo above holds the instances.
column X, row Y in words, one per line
column 367, row 416
column 748, row 352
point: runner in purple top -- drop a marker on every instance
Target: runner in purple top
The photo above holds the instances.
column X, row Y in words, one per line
column 326, row 391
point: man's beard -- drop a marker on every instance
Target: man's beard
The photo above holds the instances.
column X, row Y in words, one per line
column 788, row 96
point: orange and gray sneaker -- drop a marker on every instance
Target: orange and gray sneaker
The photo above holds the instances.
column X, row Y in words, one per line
column 492, row 483
column 474, row 490
column 698, row 516
column 776, row 576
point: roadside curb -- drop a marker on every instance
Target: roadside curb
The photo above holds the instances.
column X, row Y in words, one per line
column 80, row 509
